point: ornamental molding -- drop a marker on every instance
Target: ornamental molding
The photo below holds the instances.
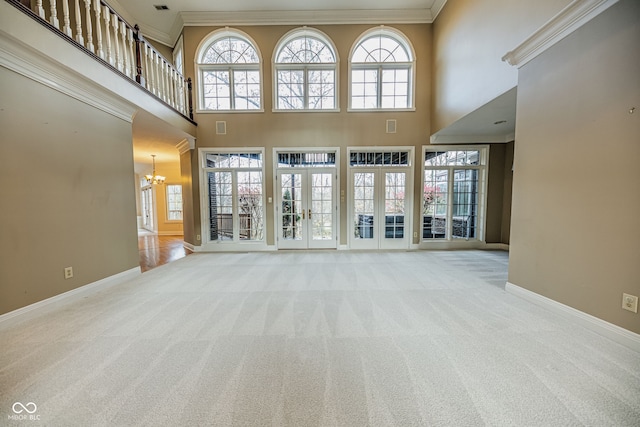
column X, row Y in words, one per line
column 568, row 20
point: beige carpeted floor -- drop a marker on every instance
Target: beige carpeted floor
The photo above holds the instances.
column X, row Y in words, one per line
column 314, row 338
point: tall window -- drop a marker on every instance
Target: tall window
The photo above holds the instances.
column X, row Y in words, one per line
column 453, row 193
column 174, row 202
column 228, row 67
column 234, row 187
column 382, row 67
column 305, row 70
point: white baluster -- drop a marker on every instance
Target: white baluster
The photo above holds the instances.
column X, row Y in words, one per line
column 125, row 56
column 98, row 10
column 79, row 37
column 174, row 79
column 156, row 75
column 40, row 9
column 148, row 75
column 54, row 14
column 132, row 52
column 116, row 35
column 67, row 21
column 87, row 8
column 107, row 32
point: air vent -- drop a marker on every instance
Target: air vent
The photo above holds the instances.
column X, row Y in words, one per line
column 391, row 126
column 161, row 6
column 221, row 128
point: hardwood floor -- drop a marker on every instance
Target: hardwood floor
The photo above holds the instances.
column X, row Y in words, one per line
column 158, row 250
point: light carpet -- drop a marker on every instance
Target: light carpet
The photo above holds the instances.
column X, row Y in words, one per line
column 319, row 338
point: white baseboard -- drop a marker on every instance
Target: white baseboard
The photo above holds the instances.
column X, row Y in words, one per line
column 616, row 333
column 74, row 293
column 497, row 246
column 190, row 247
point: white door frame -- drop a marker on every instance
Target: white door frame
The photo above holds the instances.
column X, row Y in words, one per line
column 309, row 243
column 380, row 242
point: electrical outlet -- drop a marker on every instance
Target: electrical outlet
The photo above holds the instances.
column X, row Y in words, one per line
column 198, row 237
column 630, row 302
column 415, row 234
column 68, row 272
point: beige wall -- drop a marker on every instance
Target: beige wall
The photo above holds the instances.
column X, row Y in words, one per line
column 343, row 129
column 575, row 234
column 67, row 196
column 470, row 38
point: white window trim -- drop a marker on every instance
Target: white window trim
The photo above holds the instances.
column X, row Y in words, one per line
column 222, row 245
column 401, row 38
column 483, row 178
column 293, row 34
column 199, row 67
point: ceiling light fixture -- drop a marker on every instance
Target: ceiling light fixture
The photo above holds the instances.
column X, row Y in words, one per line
column 154, row 179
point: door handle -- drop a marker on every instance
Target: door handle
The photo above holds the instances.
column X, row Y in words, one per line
column 309, row 213
column 302, row 213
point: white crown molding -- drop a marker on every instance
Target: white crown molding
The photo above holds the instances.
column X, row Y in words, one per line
column 308, row 17
column 472, row 139
column 436, row 8
column 28, row 62
column 572, row 17
column 186, row 145
column 595, row 324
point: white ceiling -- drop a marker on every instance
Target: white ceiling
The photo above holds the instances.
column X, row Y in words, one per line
column 165, row 25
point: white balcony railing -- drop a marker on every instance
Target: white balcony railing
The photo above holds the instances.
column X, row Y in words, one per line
column 103, row 33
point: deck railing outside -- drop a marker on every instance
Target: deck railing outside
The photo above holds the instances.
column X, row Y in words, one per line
column 100, row 30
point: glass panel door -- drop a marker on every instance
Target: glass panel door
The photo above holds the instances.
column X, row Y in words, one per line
column 307, row 209
column 291, row 211
column 379, row 209
column 148, row 209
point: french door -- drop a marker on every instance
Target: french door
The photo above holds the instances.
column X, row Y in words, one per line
column 380, row 208
column 148, row 209
column 307, row 208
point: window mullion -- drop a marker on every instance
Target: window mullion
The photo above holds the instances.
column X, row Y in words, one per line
column 305, row 87
column 234, row 204
column 379, row 88
column 232, row 90
column 450, row 186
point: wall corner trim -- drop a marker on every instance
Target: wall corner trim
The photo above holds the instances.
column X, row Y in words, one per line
column 186, row 144
column 569, row 19
column 101, row 284
column 613, row 332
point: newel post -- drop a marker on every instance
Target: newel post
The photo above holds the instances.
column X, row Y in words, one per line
column 136, row 37
column 190, row 92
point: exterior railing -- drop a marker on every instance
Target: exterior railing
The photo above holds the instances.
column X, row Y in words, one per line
column 102, row 32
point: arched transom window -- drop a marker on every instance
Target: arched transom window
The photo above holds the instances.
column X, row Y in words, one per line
column 382, row 67
column 305, row 69
column 229, row 73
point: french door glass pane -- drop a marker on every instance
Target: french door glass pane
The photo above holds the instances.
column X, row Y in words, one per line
column 394, row 205
column 321, row 206
column 363, row 203
column 465, row 203
column 291, row 188
column 250, row 211
column 434, row 204
column 220, row 205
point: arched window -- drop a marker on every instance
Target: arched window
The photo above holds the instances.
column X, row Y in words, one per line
column 228, row 65
column 305, row 72
column 382, row 69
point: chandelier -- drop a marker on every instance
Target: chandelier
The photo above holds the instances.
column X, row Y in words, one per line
column 154, row 179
